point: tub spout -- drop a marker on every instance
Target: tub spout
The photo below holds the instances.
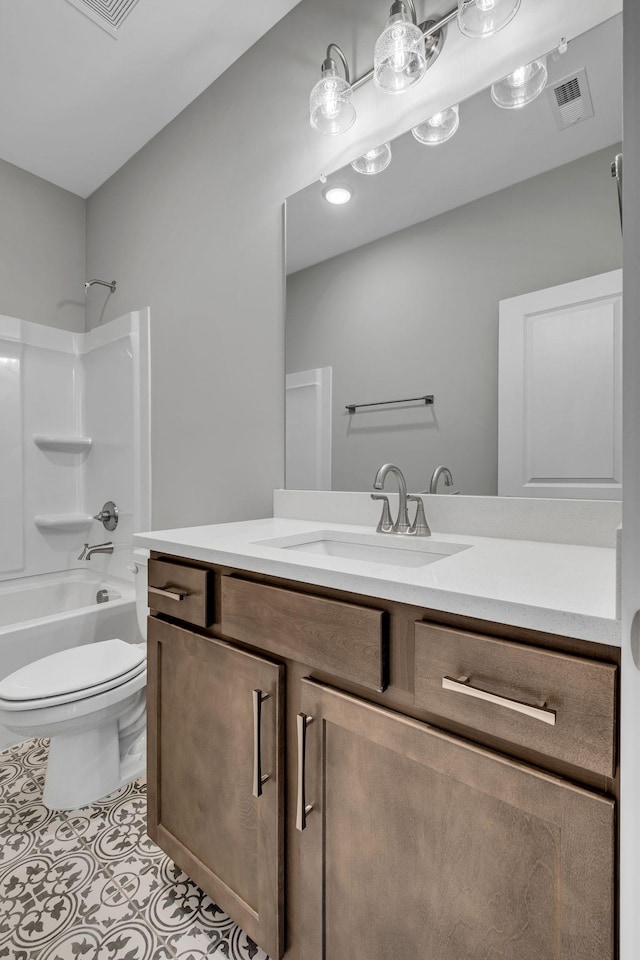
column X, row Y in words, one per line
column 88, row 552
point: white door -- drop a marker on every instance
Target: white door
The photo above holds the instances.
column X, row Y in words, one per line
column 560, row 391
column 308, row 430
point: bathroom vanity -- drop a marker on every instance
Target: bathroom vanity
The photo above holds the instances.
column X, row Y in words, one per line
column 360, row 775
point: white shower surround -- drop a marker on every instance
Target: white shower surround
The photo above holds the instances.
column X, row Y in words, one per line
column 58, row 384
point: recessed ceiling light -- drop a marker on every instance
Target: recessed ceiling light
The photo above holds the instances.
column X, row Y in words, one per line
column 337, row 194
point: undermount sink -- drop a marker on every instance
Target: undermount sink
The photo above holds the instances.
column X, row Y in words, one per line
column 394, row 549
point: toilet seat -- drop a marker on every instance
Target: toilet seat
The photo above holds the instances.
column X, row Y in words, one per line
column 74, row 674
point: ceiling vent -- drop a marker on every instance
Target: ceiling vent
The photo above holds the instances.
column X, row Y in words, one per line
column 570, row 100
column 108, row 14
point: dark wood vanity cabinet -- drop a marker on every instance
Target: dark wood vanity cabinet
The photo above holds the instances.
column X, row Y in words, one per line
column 419, row 844
column 216, row 773
column 420, row 820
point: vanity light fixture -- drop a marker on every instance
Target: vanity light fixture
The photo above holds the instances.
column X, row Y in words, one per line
column 373, row 161
column 483, row 18
column 404, row 51
column 399, row 57
column 337, row 194
column 522, row 86
column 331, row 110
column 439, row 128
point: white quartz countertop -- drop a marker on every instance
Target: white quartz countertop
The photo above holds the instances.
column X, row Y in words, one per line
column 553, row 587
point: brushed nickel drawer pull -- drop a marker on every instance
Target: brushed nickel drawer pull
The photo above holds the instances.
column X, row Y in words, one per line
column 463, row 685
column 173, row 594
column 302, row 807
column 258, row 778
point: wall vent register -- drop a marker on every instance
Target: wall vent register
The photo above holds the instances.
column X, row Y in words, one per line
column 570, row 100
column 108, row 14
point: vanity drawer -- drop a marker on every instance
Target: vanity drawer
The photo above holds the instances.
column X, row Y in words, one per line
column 341, row 639
column 182, row 592
column 557, row 704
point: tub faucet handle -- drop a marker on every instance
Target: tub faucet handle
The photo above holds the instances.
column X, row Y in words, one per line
column 108, row 516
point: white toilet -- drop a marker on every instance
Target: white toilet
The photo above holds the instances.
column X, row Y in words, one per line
column 91, row 701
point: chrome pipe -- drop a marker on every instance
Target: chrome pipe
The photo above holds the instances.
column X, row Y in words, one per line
column 334, row 46
column 102, row 283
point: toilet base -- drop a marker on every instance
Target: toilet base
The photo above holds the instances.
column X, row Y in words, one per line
column 84, row 767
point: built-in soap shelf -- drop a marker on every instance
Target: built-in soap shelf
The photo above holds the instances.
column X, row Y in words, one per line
column 62, row 522
column 68, row 444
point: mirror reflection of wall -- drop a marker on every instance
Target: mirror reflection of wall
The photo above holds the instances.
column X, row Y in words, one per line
column 398, row 290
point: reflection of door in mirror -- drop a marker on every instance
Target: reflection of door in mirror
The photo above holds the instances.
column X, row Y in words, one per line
column 308, row 435
column 399, row 289
column 560, row 399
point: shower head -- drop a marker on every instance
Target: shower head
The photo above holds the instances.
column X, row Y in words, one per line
column 103, row 283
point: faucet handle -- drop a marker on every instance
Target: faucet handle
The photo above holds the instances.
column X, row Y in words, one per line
column 108, row 516
column 419, row 527
column 386, row 523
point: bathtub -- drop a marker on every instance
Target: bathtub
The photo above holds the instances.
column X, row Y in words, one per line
column 41, row 615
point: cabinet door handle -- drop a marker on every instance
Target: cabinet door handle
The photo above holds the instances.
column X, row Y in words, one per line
column 258, row 777
column 463, row 685
column 173, row 594
column 302, row 807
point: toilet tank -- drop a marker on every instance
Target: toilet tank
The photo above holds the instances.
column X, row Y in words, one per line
column 141, row 561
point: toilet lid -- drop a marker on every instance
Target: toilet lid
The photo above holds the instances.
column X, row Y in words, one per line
column 75, row 671
column 119, row 684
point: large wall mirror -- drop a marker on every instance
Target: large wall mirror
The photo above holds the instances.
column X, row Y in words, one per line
column 484, row 272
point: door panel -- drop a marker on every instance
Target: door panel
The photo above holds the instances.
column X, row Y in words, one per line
column 308, row 430
column 202, row 752
column 427, row 846
column 560, row 391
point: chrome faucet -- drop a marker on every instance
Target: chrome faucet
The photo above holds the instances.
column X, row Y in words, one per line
column 88, row 551
column 435, row 477
column 402, row 521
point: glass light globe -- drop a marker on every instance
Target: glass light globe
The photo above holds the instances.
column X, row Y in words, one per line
column 373, row 161
column 520, row 87
column 330, row 108
column 399, row 58
column 439, row 128
column 483, row 18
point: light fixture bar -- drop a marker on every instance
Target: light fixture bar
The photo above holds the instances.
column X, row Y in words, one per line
column 429, row 29
column 338, row 50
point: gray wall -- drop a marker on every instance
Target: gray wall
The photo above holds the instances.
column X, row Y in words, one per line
column 42, row 251
column 417, row 312
column 192, row 226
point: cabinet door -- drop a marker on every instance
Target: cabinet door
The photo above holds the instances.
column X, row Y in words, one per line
column 206, row 737
column 422, row 846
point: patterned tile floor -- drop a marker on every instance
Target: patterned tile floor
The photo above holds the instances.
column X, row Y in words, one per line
column 90, row 885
